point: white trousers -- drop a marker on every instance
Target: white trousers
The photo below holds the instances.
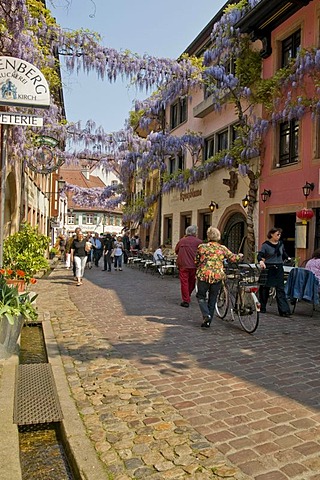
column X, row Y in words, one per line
column 68, row 260
column 80, row 265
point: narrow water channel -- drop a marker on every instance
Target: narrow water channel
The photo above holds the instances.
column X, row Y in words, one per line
column 42, row 454
column 42, row 451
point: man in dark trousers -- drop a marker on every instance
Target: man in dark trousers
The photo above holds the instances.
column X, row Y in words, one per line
column 186, row 250
column 107, row 250
column 126, row 245
column 97, row 248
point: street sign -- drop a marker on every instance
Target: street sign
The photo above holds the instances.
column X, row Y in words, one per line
column 46, row 140
column 22, row 84
column 20, row 119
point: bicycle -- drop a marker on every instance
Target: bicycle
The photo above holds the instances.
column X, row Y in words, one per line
column 238, row 292
column 263, row 276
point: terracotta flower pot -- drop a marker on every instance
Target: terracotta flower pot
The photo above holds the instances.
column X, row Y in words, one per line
column 20, row 284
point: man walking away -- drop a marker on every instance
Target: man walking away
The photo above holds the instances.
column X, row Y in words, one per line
column 107, row 251
column 126, row 246
column 186, row 250
column 97, row 249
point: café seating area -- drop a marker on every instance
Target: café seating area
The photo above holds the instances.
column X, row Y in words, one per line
column 145, row 261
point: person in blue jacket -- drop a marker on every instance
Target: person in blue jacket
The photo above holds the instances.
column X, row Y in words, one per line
column 271, row 257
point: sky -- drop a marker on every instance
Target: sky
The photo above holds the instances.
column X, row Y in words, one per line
column 161, row 29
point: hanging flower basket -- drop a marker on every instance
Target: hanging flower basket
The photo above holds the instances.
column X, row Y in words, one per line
column 305, row 214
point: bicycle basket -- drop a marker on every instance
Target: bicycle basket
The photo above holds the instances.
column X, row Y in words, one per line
column 249, row 277
column 232, row 271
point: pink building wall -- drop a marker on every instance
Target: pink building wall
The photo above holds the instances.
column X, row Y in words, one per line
column 286, row 182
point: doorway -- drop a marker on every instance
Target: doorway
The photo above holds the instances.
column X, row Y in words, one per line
column 204, row 223
column 287, row 222
column 185, row 221
column 235, row 234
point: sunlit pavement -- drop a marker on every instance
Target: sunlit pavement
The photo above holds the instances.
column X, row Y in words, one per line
column 162, row 398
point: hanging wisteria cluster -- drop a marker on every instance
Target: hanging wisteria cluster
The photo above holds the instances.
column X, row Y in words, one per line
column 28, row 31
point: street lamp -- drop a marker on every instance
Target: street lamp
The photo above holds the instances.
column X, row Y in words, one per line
column 245, row 201
column 307, row 189
column 213, row 206
column 265, row 195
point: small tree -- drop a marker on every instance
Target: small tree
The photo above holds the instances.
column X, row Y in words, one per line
column 25, row 251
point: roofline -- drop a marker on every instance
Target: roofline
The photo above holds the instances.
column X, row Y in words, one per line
column 203, row 39
column 268, row 14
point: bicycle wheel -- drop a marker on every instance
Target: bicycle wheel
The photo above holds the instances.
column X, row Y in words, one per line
column 222, row 303
column 247, row 311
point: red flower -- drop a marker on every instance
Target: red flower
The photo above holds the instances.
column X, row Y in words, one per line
column 9, row 271
column 20, row 273
column 33, row 281
column 2, row 271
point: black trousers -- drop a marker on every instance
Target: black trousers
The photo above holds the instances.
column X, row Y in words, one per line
column 282, row 303
column 107, row 261
column 97, row 254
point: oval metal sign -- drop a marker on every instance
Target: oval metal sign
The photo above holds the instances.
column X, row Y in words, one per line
column 22, row 84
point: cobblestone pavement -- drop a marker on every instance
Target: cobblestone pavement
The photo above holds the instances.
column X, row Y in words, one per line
column 162, row 398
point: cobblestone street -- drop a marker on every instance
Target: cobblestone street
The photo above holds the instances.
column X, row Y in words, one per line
column 162, row 398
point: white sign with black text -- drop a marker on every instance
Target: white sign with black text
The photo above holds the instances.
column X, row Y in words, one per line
column 20, row 119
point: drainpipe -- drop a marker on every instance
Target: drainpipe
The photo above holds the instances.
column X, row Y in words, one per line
column 3, row 187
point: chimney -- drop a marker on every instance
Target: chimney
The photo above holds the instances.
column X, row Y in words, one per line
column 86, row 172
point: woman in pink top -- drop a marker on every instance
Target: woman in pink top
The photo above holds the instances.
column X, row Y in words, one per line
column 314, row 263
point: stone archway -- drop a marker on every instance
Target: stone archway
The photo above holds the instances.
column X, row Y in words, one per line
column 233, row 229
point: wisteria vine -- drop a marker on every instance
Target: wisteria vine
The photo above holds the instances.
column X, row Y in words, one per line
column 28, row 31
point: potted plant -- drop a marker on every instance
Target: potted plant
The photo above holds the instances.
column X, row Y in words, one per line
column 53, row 252
column 16, row 278
column 24, row 254
column 15, row 310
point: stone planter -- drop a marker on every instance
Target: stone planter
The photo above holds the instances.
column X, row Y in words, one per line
column 10, row 336
column 20, row 284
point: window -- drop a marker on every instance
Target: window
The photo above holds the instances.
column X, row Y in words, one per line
column 71, row 219
column 234, row 133
column 167, row 239
column 89, row 219
column 180, row 161
column 172, row 165
column 114, row 182
column 222, row 142
column 219, row 141
column 290, row 47
column 208, row 148
column 178, row 113
column 289, row 143
column 176, row 163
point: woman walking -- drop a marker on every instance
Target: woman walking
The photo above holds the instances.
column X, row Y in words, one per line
column 118, row 251
column 210, row 272
column 79, row 255
column 271, row 256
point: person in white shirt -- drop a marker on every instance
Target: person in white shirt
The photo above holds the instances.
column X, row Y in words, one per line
column 118, row 251
column 158, row 255
column 97, row 248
